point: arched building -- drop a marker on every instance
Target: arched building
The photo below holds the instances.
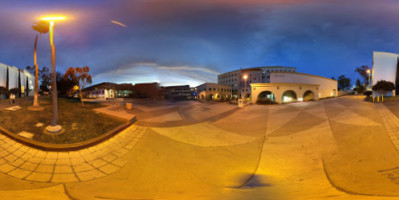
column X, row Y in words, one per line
column 291, row 86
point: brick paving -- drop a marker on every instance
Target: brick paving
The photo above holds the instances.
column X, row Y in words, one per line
column 31, row 164
column 391, row 123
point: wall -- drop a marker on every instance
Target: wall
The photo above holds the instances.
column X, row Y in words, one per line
column 13, row 78
column 217, row 91
column 278, row 89
column 384, row 67
column 327, row 87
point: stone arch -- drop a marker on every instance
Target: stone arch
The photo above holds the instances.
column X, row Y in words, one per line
column 308, row 95
column 266, row 96
column 202, row 97
column 288, row 96
column 210, row 97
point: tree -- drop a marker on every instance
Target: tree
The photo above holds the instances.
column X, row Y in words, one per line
column 343, row 82
column 359, row 87
column 81, row 76
column 41, row 27
column 383, row 87
column 45, row 77
column 333, row 78
column 362, row 70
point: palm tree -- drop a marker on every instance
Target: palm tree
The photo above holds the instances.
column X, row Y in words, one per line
column 41, row 27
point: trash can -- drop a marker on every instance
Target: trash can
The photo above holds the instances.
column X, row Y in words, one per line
column 129, row 106
column 240, row 103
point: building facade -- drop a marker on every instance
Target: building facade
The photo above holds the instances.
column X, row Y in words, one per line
column 284, row 92
column 180, row 92
column 16, row 80
column 385, row 67
column 108, row 90
column 148, row 90
column 213, row 92
column 326, row 87
column 255, row 75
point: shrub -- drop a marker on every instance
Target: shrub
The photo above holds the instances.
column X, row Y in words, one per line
column 383, row 87
column 265, row 101
column 368, row 93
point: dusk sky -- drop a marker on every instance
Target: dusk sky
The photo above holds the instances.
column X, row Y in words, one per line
column 190, row 42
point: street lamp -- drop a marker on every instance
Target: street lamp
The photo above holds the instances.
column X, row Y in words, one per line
column 368, row 72
column 245, row 86
column 53, row 128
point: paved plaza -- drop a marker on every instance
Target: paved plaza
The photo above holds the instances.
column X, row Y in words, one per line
column 341, row 148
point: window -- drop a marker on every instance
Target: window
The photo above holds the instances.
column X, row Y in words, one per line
column 210, row 89
column 214, row 89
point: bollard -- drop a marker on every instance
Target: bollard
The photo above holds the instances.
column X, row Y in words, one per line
column 378, row 99
column 382, row 98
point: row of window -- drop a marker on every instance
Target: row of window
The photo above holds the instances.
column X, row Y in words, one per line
column 267, row 71
column 218, row 89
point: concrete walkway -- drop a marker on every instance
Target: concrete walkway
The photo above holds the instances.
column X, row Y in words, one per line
column 332, row 149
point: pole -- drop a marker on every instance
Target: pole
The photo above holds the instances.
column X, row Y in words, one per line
column 54, row 76
column 369, row 79
column 35, row 99
column 245, row 90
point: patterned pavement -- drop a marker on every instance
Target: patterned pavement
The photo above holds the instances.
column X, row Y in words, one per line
column 329, row 149
column 391, row 123
column 30, row 164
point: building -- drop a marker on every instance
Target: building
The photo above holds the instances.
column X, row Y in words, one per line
column 291, row 86
column 255, row 75
column 278, row 84
column 326, row 87
column 148, row 90
column 385, row 67
column 107, row 90
column 180, row 92
column 16, row 80
column 213, row 91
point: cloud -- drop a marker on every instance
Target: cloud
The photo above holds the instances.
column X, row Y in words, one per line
column 137, row 72
column 194, row 40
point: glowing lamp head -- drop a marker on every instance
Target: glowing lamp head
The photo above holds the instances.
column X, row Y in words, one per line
column 368, row 71
column 53, row 18
column 245, row 77
column 76, row 87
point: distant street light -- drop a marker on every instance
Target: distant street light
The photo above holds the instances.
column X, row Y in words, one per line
column 245, row 86
column 53, row 128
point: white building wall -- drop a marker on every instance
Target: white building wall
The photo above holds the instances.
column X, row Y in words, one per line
column 384, row 67
column 13, row 78
column 328, row 87
column 3, row 75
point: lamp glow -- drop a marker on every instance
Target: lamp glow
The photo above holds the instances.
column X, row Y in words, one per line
column 53, row 18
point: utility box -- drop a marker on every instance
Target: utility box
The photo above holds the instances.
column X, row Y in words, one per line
column 129, row 106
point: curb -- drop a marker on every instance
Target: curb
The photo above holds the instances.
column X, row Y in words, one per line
column 67, row 147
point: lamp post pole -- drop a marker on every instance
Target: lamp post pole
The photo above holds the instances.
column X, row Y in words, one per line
column 245, row 87
column 54, row 77
column 54, row 127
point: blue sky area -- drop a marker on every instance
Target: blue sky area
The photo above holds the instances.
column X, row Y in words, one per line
column 190, row 42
